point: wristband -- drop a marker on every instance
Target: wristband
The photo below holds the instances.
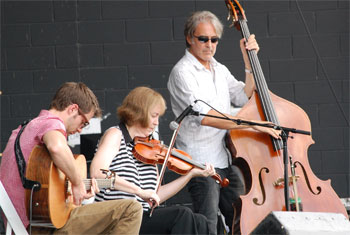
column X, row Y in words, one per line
column 248, row 71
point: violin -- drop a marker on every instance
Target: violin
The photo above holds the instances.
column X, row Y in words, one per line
column 151, row 151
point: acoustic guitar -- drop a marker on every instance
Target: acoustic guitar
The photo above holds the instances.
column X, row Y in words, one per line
column 54, row 201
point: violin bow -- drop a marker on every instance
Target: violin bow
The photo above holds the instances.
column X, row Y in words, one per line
column 162, row 171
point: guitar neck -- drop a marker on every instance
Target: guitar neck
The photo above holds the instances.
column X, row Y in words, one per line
column 101, row 183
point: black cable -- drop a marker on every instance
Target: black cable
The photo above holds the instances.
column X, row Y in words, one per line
column 228, row 118
column 321, row 61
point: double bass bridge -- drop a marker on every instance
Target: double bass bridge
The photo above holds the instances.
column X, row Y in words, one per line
column 280, row 181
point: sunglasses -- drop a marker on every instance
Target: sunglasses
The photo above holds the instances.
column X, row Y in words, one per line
column 205, row 39
column 86, row 123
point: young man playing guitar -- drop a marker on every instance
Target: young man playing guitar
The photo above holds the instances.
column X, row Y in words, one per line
column 71, row 109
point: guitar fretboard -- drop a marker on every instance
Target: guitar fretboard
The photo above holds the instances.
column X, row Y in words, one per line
column 101, row 183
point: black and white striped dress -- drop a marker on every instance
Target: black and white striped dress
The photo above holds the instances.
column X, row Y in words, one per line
column 129, row 168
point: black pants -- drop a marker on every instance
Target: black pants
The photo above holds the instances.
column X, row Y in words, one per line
column 208, row 196
column 173, row 220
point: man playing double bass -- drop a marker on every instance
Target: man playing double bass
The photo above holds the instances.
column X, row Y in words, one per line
column 198, row 76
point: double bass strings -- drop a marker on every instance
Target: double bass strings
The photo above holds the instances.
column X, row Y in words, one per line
column 262, row 88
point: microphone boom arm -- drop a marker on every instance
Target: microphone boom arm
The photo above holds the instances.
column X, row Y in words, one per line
column 250, row 123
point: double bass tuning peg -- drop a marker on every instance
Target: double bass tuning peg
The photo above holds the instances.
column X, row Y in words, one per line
column 229, row 16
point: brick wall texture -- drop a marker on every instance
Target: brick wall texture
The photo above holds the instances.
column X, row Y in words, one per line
column 114, row 46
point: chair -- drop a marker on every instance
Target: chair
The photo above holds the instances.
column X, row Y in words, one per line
column 14, row 223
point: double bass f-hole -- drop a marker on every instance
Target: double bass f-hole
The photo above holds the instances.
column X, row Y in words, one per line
column 263, row 193
column 319, row 189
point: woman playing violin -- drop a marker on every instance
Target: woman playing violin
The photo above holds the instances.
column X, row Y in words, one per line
column 139, row 115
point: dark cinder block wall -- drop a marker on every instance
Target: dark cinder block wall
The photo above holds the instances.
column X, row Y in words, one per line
column 114, row 46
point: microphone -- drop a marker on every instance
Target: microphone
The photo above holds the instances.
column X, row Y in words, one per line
column 175, row 124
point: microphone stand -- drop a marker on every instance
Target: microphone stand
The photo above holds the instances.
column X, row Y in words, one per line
column 284, row 134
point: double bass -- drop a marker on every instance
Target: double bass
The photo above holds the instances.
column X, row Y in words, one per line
column 260, row 157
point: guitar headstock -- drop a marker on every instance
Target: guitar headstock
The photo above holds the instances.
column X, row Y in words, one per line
column 235, row 13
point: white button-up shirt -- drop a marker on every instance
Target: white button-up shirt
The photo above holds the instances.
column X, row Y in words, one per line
column 189, row 81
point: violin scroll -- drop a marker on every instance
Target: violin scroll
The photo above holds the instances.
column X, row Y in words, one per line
column 224, row 183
